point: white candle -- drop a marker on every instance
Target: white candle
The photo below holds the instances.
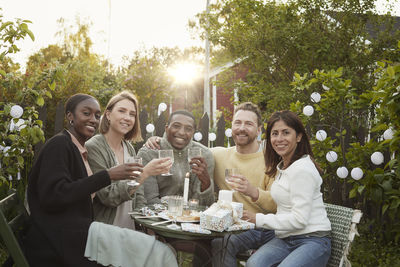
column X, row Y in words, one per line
column 225, row 195
column 186, row 189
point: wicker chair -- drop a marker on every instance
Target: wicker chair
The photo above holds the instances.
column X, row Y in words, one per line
column 343, row 221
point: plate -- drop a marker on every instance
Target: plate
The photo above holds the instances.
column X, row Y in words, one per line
column 181, row 219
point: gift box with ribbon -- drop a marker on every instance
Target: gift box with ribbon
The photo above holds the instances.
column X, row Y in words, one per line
column 220, row 216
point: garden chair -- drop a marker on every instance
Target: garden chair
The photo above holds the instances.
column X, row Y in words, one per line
column 343, row 222
column 13, row 223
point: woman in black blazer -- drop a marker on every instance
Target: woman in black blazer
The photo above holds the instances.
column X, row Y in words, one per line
column 60, row 186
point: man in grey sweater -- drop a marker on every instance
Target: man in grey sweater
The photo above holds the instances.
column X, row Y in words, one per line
column 178, row 136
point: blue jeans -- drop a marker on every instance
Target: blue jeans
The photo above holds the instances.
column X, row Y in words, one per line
column 224, row 249
column 301, row 250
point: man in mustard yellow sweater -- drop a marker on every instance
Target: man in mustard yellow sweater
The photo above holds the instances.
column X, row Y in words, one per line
column 253, row 187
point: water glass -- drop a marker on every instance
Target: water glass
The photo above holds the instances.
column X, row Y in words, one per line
column 175, row 208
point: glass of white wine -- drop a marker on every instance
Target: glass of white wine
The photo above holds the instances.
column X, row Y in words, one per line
column 134, row 160
column 168, row 153
column 230, row 176
column 192, row 153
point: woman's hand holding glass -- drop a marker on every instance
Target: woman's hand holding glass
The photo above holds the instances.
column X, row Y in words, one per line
column 125, row 171
column 239, row 182
column 156, row 167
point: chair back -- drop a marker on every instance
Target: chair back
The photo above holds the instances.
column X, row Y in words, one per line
column 343, row 222
column 13, row 223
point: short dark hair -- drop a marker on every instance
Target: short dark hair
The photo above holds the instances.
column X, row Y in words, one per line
column 74, row 100
column 292, row 120
column 182, row 112
column 249, row 107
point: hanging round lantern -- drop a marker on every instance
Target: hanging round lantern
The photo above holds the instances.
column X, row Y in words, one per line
column 331, row 156
column 162, row 107
column 308, row 110
column 16, row 111
column 388, row 134
column 342, row 172
column 198, row 136
column 377, row 158
column 357, row 173
column 326, row 88
column 228, row 132
column 150, row 128
column 321, row 135
column 212, row 137
column 315, row 97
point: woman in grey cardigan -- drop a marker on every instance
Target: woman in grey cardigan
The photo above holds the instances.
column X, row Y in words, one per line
column 118, row 126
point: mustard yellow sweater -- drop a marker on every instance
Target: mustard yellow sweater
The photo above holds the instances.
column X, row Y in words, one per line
column 252, row 167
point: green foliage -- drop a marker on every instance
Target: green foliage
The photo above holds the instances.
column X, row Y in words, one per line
column 276, row 40
column 10, row 33
column 369, row 249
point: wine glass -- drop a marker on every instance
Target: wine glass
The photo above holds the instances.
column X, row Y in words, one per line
column 229, row 176
column 169, row 153
column 175, row 208
column 134, row 160
column 192, row 153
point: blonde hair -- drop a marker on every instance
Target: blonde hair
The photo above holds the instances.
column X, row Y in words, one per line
column 135, row 134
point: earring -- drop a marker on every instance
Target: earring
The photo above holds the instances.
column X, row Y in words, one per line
column 71, row 122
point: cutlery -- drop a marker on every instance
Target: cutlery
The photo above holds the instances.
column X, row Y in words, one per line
column 145, row 217
column 157, row 223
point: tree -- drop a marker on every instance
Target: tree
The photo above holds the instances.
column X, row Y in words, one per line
column 277, row 40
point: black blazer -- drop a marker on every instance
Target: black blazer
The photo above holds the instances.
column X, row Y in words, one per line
column 60, row 204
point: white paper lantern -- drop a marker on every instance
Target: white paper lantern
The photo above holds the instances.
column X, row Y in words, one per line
column 212, row 137
column 326, row 88
column 1, row 148
column 308, row 110
column 228, row 132
column 321, row 135
column 357, row 173
column 315, row 97
column 162, row 107
column 150, row 128
column 388, row 134
column 18, row 176
column 342, row 172
column 5, row 150
column 377, row 158
column 16, row 111
column 331, row 156
column 20, row 124
column 198, row 136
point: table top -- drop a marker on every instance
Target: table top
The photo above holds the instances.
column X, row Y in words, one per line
column 163, row 230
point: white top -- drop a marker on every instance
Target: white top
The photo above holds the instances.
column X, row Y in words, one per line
column 300, row 208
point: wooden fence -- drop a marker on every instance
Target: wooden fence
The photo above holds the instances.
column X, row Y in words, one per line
column 159, row 127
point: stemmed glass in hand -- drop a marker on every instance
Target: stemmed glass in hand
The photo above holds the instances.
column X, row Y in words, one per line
column 192, row 153
column 134, row 160
column 169, row 153
column 230, row 177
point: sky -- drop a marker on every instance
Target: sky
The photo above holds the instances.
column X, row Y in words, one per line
column 131, row 25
